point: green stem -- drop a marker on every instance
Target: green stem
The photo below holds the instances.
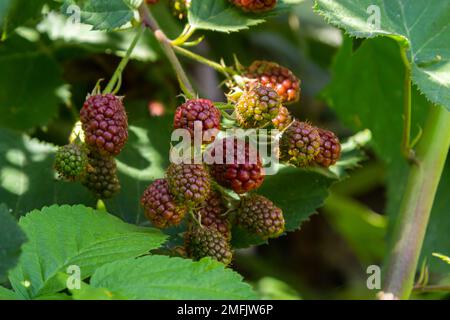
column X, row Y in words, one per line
column 150, row 22
column 416, row 204
column 432, row 288
column 118, row 73
column 406, row 145
column 217, row 66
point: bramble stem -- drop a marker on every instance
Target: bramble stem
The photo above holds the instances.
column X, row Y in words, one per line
column 150, row 22
column 118, row 73
column 416, row 204
column 217, row 66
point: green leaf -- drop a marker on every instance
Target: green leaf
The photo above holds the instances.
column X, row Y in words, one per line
column 14, row 13
column 307, row 191
column 26, row 99
column 61, row 236
column 6, row 294
column 422, row 25
column 223, row 16
column 161, row 277
column 366, row 92
column 442, row 257
column 11, row 239
column 102, row 14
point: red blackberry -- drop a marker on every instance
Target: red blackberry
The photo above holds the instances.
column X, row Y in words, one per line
column 330, row 149
column 300, row 144
column 105, row 124
column 281, row 79
column 160, row 207
column 211, row 214
column 260, row 216
column 188, row 183
column 198, row 110
column 238, row 165
column 255, row 5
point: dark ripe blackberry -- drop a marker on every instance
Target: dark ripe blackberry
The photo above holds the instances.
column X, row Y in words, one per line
column 160, row 207
column 239, row 167
column 203, row 242
column 330, row 149
column 201, row 111
column 300, row 144
column 189, row 183
column 281, row 79
column 260, row 216
column 101, row 177
column 105, row 124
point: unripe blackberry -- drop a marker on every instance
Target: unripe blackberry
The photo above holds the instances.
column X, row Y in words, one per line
column 101, row 177
column 189, row 183
column 201, row 111
column 281, row 79
column 330, row 149
column 71, row 161
column 257, row 107
column 105, row 124
column 203, row 242
column 237, row 165
column 300, row 144
column 160, row 207
column 282, row 120
column 255, row 5
column 260, row 216
column 211, row 214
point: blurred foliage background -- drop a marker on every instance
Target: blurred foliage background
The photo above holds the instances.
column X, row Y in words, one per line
column 57, row 63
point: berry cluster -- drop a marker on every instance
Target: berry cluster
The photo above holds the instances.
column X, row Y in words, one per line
column 105, row 127
column 201, row 194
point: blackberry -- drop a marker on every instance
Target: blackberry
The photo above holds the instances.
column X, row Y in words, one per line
column 101, row 177
column 201, row 111
column 260, row 216
column 257, row 107
column 71, row 161
column 160, row 207
column 105, row 124
column 300, row 144
column 239, row 166
column 203, row 242
column 330, row 149
column 281, row 79
column 255, row 5
column 188, row 183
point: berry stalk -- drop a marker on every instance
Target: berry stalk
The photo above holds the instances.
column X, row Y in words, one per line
column 416, row 205
column 216, row 66
column 115, row 79
column 150, row 22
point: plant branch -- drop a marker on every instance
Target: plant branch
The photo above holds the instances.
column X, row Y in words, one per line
column 217, row 66
column 118, row 73
column 416, row 204
column 431, row 288
column 151, row 23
